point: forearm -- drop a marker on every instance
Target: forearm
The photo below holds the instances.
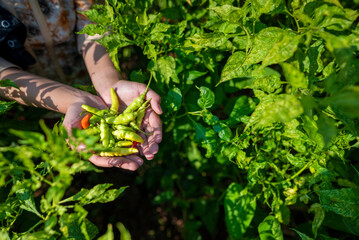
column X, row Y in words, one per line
column 100, row 67
column 40, row 92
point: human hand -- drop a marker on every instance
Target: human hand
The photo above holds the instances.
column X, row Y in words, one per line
column 73, row 120
column 127, row 91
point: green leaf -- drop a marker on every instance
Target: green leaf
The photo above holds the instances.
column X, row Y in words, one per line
column 319, row 215
column 283, row 49
column 260, row 78
column 234, row 67
column 74, row 225
column 344, row 201
column 8, row 83
column 207, row 138
column 166, row 67
column 302, row 236
column 270, row 229
column 239, row 208
column 294, row 77
column 26, row 198
column 173, row 100
column 266, row 6
column 327, row 128
column 191, row 75
column 223, row 131
column 345, row 102
column 243, row 107
column 264, row 41
column 229, row 13
column 98, row 193
column 271, row 109
column 214, row 40
column 93, row 29
column 206, row 99
column 6, row 106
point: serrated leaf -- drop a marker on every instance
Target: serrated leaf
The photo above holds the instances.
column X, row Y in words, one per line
column 239, row 207
column 206, row 99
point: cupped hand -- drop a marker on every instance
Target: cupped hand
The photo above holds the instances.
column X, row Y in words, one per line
column 73, row 120
column 127, row 91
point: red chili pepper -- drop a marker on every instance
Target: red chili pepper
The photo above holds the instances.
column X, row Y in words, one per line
column 134, row 144
column 85, row 123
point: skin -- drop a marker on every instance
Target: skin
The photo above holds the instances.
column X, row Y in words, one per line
column 45, row 93
column 100, row 67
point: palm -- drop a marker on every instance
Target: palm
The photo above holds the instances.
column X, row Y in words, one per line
column 127, row 91
column 73, row 120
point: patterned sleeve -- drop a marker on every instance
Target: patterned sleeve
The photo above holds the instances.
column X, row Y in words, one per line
column 81, row 22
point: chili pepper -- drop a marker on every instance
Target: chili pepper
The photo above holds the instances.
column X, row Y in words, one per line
column 105, row 134
column 136, row 104
column 134, row 126
column 134, row 144
column 115, row 104
column 123, row 118
column 124, row 143
column 85, row 121
column 124, row 128
column 90, row 109
column 127, row 135
column 92, row 130
column 119, row 152
column 139, row 118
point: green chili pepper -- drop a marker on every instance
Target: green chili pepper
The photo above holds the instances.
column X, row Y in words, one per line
column 105, row 134
column 124, row 128
column 119, row 152
column 124, row 143
column 115, row 104
column 127, row 135
column 90, row 109
column 136, row 104
column 139, row 118
column 92, row 130
column 123, row 118
column 134, row 126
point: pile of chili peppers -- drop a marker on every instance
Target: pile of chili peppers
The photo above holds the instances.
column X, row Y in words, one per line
column 118, row 131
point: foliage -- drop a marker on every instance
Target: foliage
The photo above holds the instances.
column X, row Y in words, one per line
column 270, row 86
column 45, row 167
column 260, row 103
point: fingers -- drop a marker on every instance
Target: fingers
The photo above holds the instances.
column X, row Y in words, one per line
column 151, row 124
column 131, row 162
column 155, row 101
